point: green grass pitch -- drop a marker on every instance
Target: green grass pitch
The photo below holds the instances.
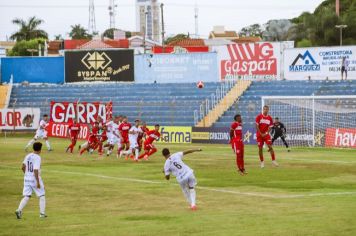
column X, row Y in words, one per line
column 313, row 192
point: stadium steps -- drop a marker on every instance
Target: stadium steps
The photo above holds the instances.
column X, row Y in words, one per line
column 224, row 104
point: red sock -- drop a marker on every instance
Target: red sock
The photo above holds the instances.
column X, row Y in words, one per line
column 261, row 157
column 82, row 151
column 119, row 150
column 273, row 156
column 142, row 155
column 152, row 151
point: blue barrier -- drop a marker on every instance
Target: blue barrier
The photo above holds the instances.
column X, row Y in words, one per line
column 33, row 69
column 176, row 68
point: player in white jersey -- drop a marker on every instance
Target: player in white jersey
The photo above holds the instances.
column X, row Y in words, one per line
column 133, row 135
column 114, row 136
column 31, row 167
column 183, row 173
column 41, row 133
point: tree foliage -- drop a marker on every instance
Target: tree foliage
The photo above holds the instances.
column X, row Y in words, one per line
column 176, row 38
column 28, row 30
column 21, row 47
column 251, row 30
column 79, row 32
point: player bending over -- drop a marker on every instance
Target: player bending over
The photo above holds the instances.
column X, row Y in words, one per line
column 237, row 143
column 133, row 134
column 31, row 167
column 41, row 133
column 279, row 131
column 264, row 123
column 92, row 141
column 184, row 175
column 151, row 136
column 73, row 132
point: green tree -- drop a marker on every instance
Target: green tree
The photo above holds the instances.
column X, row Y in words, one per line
column 22, row 47
column 28, row 30
column 109, row 33
column 79, row 32
column 251, row 30
column 277, row 30
column 176, row 38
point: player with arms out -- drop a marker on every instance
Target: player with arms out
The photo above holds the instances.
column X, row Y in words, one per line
column 183, row 173
column 41, row 133
column 151, row 136
column 31, row 167
column 237, row 143
column 73, row 132
column 133, row 135
column 264, row 123
column 279, row 131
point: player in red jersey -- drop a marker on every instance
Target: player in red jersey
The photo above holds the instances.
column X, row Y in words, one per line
column 264, row 123
column 124, row 128
column 102, row 137
column 73, row 132
column 151, row 136
column 92, row 139
column 237, row 143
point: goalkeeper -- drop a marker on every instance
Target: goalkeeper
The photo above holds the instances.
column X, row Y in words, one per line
column 279, row 131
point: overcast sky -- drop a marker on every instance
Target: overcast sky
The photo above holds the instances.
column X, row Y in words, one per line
column 59, row 15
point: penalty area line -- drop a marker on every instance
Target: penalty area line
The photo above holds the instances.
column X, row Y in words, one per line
column 220, row 190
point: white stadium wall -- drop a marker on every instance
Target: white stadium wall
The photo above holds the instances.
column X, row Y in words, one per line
column 318, row 62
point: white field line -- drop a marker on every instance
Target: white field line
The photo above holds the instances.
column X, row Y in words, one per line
column 254, row 194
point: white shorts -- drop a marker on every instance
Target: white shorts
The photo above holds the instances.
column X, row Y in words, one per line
column 112, row 140
column 190, row 182
column 133, row 144
column 30, row 186
column 41, row 134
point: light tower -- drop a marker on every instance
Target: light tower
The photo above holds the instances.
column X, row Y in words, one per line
column 112, row 12
column 92, row 24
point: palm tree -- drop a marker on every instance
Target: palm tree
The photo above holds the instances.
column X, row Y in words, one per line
column 78, row 32
column 28, row 30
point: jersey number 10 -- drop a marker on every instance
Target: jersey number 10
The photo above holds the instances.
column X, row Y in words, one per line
column 29, row 166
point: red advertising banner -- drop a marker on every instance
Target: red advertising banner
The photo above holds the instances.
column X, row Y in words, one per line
column 176, row 49
column 252, row 59
column 340, row 137
column 63, row 113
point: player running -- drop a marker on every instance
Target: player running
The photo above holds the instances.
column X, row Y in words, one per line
column 151, row 136
column 184, row 175
column 133, row 134
column 237, row 143
column 279, row 131
column 142, row 135
column 73, row 132
column 124, row 128
column 92, row 140
column 31, row 167
column 114, row 136
column 41, row 133
column 264, row 123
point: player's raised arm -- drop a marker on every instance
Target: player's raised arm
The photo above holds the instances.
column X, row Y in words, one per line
column 191, row 151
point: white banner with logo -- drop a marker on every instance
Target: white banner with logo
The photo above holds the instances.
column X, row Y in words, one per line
column 257, row 60
column 319, row 62
column 19, row 119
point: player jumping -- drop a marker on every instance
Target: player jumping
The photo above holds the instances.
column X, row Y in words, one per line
column 151, row 136
column 279, row 131
column 184, row 175
column 237, row 143
column 41, row 133
column 264, row 123
column 31, row 167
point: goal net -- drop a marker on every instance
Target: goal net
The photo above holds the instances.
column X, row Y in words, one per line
column 315, row 121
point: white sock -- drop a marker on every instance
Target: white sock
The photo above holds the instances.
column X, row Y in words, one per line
column 186, row 193
column 30, row 143
column 136, row 154
column 192, row 196
column 42, row 204
column 23, row 203
column 128, row 152
column 48, row 145
column 84, row 145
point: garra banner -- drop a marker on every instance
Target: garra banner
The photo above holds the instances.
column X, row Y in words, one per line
column 19, row 119
column 63, row 113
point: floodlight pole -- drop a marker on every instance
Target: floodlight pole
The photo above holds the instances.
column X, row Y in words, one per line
column 341, row 27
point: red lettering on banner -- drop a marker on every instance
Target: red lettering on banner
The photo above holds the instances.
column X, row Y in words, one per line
column 245, row 60
column 340, row 137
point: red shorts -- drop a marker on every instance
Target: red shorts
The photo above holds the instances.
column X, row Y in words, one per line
column 125, row 140
column 237, row 146
column 264, row 140
column 92, row 139
column 148, row 146
column 103, row 138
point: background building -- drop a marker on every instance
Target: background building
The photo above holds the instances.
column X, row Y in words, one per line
column 148, row 18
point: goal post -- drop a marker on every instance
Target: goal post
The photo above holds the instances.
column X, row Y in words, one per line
column 315, row 121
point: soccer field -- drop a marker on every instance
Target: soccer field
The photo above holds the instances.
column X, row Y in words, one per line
column 313, row 192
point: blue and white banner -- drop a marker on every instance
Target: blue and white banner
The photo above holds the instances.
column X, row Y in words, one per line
column 176, row 68
column 319, row 62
